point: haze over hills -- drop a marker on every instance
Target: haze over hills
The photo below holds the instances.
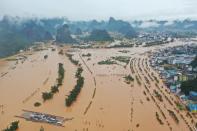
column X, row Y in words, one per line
column 99, row 35
column 23, row 32
column 63, row 35
column 18, row 33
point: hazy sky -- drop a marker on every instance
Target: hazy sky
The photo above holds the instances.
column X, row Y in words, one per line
column 102, row 9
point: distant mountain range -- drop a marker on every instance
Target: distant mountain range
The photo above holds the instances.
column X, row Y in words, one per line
column 99, row 35
column 112, row 25
column 18, row 33
column 63, row 35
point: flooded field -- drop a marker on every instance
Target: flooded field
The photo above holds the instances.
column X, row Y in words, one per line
column 105, row 103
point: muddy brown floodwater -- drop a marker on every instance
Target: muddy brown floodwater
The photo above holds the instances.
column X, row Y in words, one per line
column 105, row 102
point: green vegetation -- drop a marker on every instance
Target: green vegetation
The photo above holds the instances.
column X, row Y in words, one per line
column 99, row 35
column 86, row 55
column 78, row 73
column 156, row 79
column 13, row 127
column 160, row 42
column 55, row 88
column 158, row 118
column 74, row 93
column 180, row 106
column 124, row 59
column 128, row 79
column 45, row 56
column 190, row 85
column 137, row 125
column 15, row 37
column 41, row 128
column 53, row 49
column 124, row 51
column 173, row 115
column 36, row 104
column 11, row 59
column 138, row 80
column 107, row 62
column 60, row 74
column 158, row 96
column 194, row 63
column 75, row 62
column 63, row 35
column 47, row 95
column 61, row 52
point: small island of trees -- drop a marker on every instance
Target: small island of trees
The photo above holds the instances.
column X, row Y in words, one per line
column 107, row 62
column 55, row 88
column 74, row 93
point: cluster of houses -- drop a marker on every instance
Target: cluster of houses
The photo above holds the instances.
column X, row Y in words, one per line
column 173, row 65
column 154, row 38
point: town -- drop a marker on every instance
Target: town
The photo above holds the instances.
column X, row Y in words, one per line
column 175, row 67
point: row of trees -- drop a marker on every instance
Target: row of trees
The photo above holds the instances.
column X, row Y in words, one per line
column 75, row 62
column 55, row 88
column 74, row 93
column 107, row 62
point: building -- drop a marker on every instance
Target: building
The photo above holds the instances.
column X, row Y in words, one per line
column 193, row 108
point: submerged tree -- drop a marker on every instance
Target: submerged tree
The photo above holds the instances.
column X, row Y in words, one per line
column 13, row 127
column 74, row 93
column 41, row 128
column 47, row 95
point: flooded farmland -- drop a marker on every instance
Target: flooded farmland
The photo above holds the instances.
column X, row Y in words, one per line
column 105, row 103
